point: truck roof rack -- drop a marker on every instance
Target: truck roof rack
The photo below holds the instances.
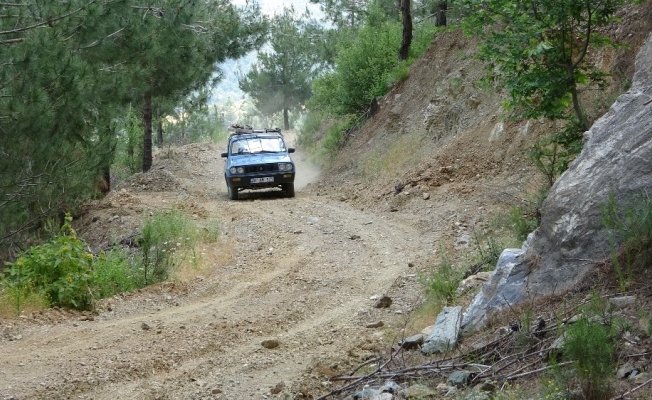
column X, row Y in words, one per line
column 240, row 130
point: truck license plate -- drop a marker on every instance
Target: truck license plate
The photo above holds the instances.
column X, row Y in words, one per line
column 262, row 180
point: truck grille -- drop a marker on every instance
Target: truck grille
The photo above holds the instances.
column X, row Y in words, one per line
column 261, row 168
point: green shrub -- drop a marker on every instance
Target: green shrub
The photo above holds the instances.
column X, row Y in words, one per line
column 588, row 345
column 61, row 270
column 113, row 274
column 442, row 281
column 367, row 65
column 129, row 153
column 333, row 139
column 553, row 154
column 630, row 230
column 63, row 273
column 488, row 251
column 167, row 238
column 310, row 130
column 523, row 222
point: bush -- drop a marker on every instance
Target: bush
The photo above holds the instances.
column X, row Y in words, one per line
column 630, row 229
column 65, row 274
column 367, row 65
column 553, row 154
column 333, row 139
column 167, row 238
column 523, row 222
column 310, row 129
column 442, row 282
column 488, row 251
column 589, row 346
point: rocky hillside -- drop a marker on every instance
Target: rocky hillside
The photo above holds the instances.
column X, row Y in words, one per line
column 440, row 132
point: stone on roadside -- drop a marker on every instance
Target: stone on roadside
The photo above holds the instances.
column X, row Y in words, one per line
column 622, row 301
column 445, row 333
column 383, row 302
column 376, row 324
column 460, row 378
column 278, row 388
column 270, row 343
column 412, row 342
column 417, row 391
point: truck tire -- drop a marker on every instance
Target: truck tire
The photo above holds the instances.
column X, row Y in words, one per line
column 233, row 193
column 289, row 189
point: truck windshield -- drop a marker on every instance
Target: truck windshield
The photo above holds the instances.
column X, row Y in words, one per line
column 257, row 145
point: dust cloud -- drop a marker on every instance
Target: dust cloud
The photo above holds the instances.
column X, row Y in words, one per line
column 307, row 172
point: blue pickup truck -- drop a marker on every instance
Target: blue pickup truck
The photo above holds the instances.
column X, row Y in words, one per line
column 258, row 159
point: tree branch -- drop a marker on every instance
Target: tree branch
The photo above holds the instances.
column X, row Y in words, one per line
column 49, row 21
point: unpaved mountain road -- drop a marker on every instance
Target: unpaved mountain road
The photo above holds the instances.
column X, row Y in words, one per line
column 303, row 272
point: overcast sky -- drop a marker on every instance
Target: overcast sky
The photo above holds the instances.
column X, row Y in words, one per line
column 271, row 7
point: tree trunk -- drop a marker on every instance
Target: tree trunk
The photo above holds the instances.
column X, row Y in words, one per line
column 440, row 15
column 159, row 130
column 407, row 30
column 575, row 96
column 147, row 136
column 286, row 119
column 106, row 175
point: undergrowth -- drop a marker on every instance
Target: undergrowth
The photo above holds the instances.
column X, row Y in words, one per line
column 630, row 235
column 65, row 273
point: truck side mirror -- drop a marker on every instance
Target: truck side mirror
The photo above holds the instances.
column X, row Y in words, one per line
column 291, row 150
column 225, row 155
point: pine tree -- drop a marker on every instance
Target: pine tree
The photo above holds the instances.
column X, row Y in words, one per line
column 281, row 80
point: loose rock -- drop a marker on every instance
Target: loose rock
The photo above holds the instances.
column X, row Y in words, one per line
column 383, row 302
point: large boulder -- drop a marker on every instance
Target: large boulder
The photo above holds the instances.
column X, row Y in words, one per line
column 616, row 161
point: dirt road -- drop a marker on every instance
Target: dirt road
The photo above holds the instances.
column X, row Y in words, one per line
column 302, row 273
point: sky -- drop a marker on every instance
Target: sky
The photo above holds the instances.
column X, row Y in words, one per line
column 271, row 7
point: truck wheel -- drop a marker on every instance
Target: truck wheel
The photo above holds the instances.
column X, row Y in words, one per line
column 289, row 189
column 233, row 193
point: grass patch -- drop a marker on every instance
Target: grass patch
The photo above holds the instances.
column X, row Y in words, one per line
column 63, row 273
column 442, row 281
column 168, row 239
column 397, row 155
column 523, row 218
column 630, row 236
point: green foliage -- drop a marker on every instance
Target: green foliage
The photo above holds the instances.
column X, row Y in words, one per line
column 362, row 65
column 64, row 273
column 442, row 281
column 334, row 138
column 310, row 130
column 194, row 122
column 129, row 150
column 280, row 82
column 67, row 80
column 589, row 346
column 487, row 251
column 522, row 221
column 167, row 238
column 114, row 273
column 366, row 65
column 553, row 154
column 630, row 229
column 536, row 51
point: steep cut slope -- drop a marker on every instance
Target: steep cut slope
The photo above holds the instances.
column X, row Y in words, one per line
column 439, row 131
